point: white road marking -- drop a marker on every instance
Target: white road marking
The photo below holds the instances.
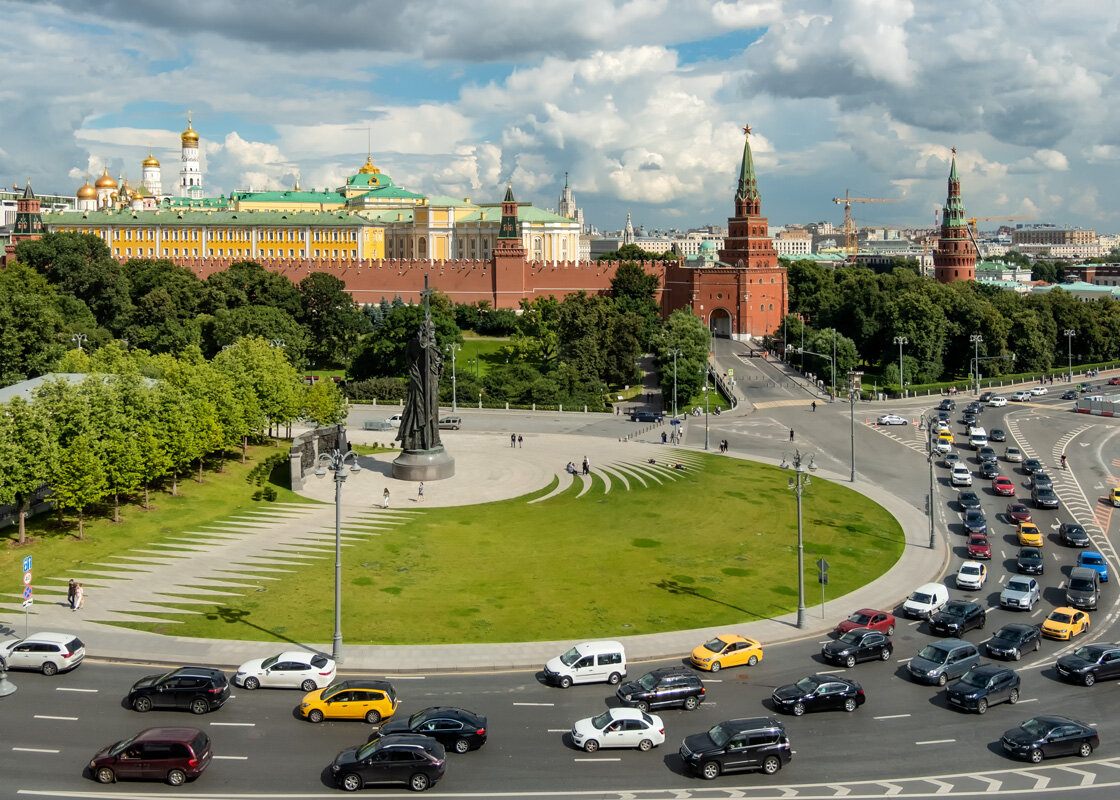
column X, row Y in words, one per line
column 915, row 622
column 33, row 750
column 597, row 760
column 892, row 716
column 406, row 677
column 535, row 704
column 47, row 716
column 1030, row 700
column 234, row 724
column 557, row 730
column 231, row 758
column 830, row 671
column 937, row 741
column 69, row 689
column 713, row 680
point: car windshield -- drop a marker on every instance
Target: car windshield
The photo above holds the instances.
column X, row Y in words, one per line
column 1089, row 652
column 808, row 684
column 120, row 746
column 1058, row 616
column 366, row 750
column 921, row 597
column 715, row 645
column 851, row 637
column 933, row 653
column 1030, row 554
column 1018, row 586
column 1081, row 584
column 570, row 657
column 719, row 736
column 602, row 721
column 331, row 691
column 268, row 662
column 957, row 609
column 971, row 678
column 970, row 569
column 648, row 681
column 1094, row 559
column 1009, row 634
column 1035, row 728
column 417, row 718
column 859, row 618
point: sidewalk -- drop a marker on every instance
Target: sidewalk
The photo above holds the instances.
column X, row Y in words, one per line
column 267, row 538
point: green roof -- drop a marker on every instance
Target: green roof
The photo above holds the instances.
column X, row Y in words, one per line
column 391, row 190
column 291, row 196
column 202, row 202
column 229, row 218
column 525, row 213
column 388, row 216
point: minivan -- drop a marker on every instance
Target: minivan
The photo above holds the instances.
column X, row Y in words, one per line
column 175, row 755
column 939, row 661
column 588, row 662
column 978, row 438
column 1083, row 590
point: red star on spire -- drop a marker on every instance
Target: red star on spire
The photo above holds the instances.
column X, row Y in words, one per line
column 747, row 130
column 954, row 151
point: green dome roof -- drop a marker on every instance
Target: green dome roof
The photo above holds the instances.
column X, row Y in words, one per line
column 707, row 245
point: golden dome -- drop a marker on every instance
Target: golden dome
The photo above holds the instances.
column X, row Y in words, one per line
column 190, row 135
column 150, row 161
column 105, row 181
column 87, row 192
column 368, row 168
column 139, row 192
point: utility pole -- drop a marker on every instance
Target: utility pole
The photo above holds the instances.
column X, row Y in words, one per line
column 929, row 458
column 976, row 340
column 900, row 341
column 797, row 484
column 675, row 352
column 1070, row 333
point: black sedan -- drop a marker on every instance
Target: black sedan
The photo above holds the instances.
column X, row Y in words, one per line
column 968, row 500
column 1033, row 465
column 416, row 761
column 983, row 686
column 1090, row 663
column 958, row 617
column 1029, row 561
column 997, row 435
column 1069, row 395
column 818, row 693
column 1073, row 535
column 1044, row 498
column 455, row 728
column 989, row 469
column 1044, row 737
column 1012, row 640
column 858, row 644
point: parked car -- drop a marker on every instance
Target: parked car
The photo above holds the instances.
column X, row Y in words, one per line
column 940, row 661
column 958, row 617
column 871, row 618
column 892, row 419
column 48, row 653
column 663, row 688
column 982, row 686
column 619, row 727
column 1020, row 593
column 1030, row 561
column 972, row 575
column 588, row 662
column 978, row 546
column 1017, row 512
column 858, row 644
column 455, row 728
column 926, row 600
column 737, row 745
column 1065, row 623
column 297, row 669
column 1013, row 455
column 1090, row 663
column 726, row 650
column 370, row 700
column 818, row 693
column 974, row 521
column 1094, row 560
column 198, row 689
column 967, row 500
column 416, row 761
column 1011, row 641
column 1044, row 737
column 1073, row 535
column 174, row 755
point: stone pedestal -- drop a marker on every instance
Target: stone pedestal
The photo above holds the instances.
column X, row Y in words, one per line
column 424, row 465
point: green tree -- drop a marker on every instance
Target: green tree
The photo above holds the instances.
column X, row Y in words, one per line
column 632, row 252
column 332, row 318
column 686, row 333
column 323, row 404
column 226, row 327
column 247, row 283
column 382, row 353
column 538, row 330
column 634, row 290
column 79, row 478
column 32, row 326
column 28, row 455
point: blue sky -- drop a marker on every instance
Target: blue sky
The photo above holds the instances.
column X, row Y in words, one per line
column 641, row 101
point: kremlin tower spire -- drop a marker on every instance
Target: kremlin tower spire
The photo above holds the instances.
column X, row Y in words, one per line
column 748, row 242
column 955, row 256
column 747, row 201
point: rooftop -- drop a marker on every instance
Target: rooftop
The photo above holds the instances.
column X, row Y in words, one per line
column 207, row 217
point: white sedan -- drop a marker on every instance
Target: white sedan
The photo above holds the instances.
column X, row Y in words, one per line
column 619, row 727
column 997, row 402
column 1037, row 390
column 972, row 575
column 294, row 670
column 1022, row 397
column 892, row 419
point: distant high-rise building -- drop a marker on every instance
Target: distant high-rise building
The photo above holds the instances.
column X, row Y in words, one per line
column 567, row 207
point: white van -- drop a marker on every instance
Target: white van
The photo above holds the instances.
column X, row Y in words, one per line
column 589, row 662
column 926, row 600
column 978, row 438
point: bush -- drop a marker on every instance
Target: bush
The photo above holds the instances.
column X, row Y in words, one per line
column 386, row 390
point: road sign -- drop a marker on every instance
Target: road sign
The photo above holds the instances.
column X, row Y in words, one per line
column 27, row 564
column 27, row 592
column 27, row 579
column 822, row 578
column 822, row 565
column 27, row 602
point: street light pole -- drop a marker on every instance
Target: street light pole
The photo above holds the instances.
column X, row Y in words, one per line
column 705, row 405
column 833, row 363
column 976, row 340
column 797, row 483
column 336, row 461
column 676, row 352
column 929, row 458
column 852, row 403
column 454, row 393
column 900, row 341
column 79, row 338
column 1070, row 333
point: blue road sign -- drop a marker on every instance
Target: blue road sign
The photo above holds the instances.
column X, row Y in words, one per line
column 27, row 563
column 26, row 592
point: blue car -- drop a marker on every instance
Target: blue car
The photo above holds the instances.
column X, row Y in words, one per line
column 1094, row 560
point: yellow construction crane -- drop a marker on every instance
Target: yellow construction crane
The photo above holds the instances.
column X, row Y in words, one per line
column 851, row 241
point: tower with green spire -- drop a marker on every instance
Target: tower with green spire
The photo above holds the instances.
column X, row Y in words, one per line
column 954, row 259
column 748, row 242
column 747, row 201
column 508, row 229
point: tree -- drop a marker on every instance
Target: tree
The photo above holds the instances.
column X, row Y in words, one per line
column 31, row 324
column 176, row 431
column 115, row 432
column 332, row 318
column 538, row 329
column 323, row 404
column 226, row 327
column 382, row 353
column 633, row 290
column 79, row 479
column 686, row 333
column 247, row 283
column 267, row 386
column 632, row 252
column 28, row 454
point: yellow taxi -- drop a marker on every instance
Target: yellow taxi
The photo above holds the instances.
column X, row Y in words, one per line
column 726, row 650
column 945, row 436
column 372, row 701
column 1029, row 535
column 1114, row 497
column 1065, row 623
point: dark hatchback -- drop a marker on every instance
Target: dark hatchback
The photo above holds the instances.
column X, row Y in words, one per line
column 455, row 728
column 958, row 617
column 1044, row 498
column 967, row 500
column 1033, row 465
column 858, row 644
column 818, row 693
column 1045, row 737
column 989, row 469
column 1090, row 663
column 194, row 689
column 175, row 755
column 997, row 435
column 663, row 688
column 1012, row 640
column 1030, row 561
column 417, row 761
column 1073, row 535
column 974, row 521
column 737, row 745
column 983, row 686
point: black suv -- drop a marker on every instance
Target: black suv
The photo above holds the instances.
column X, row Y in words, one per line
column 957, row 617
column 858, row 644
column 1090, row 663
column 737, row 745
column 983, row 686
column 454, row 728
column 199, row 689
column 671, row 686
column 417, row 761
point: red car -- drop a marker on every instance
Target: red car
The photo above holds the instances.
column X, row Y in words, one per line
column 978, row 546
column 868, row 618
column 1114, row 381
column 1003, row 486
column 1017, row 512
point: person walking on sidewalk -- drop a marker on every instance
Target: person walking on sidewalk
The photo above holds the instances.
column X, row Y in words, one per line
column 791, row 434
column 71, row 593
column 79, row 596
column 814, row 406
column 586, row 466
column 420, row 492
column 513, row 440
column 519, row 440
column 385, row 498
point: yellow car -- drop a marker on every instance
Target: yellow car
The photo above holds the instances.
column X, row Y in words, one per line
column 726, row 650
column 945, row 436
column 372, row 701
column 1114, row 497
column 1065, row 623
column 1029, row 535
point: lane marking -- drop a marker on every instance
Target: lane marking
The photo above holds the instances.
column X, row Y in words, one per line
column 1029, row 700
column 231, row 758
column 892, row 716
column 406, row 677
column 937, row 741
column 32, row 750
column 234, row 724
column 535, row 704
column 48, row 716
column 597, row 760
column 557, row 730
column 69, row 689
column 713, row 680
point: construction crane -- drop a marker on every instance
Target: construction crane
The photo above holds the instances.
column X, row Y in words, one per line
column 851, row 242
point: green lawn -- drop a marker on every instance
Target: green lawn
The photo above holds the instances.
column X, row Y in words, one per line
column 56, row 551
column 479, row 355
column 716, row 547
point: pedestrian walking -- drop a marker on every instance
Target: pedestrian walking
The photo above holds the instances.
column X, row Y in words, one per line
column 71, row 592
column 586, row 466
column 79, row 596
column 814, row 406
column 664, row 437
column 1063, row 460
column 385, row 498
column 420, row 492
column 791, row 434
column 519, row 440
column 513, row 440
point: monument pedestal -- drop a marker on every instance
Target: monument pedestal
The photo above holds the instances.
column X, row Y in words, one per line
column 423, row 465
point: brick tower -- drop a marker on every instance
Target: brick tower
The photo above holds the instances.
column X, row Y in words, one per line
column 509, row 256
column 28, row 223
column 748, row 242
column 955, row 256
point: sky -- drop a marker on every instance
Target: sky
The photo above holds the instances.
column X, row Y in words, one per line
column 641, row 102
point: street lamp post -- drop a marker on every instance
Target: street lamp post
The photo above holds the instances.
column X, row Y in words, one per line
column 79, row 338
column 1070, row 333
column 929, row 458
column 454, row 393
column 900, row 341
column 336, row 461
column 675, row 352
column 833, row 393
column 797, row 484
column 976, row 340
column 705, row 368
column 803, row 351
column 852, row 392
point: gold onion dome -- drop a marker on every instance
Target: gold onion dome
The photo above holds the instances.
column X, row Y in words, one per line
column 368, row 168
column 87, row 192
column 150, row 161
column 139, row 192
column 106, row 181
column 190, row 135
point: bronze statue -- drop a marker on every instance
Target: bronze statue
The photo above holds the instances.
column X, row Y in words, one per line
column 420, row 420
